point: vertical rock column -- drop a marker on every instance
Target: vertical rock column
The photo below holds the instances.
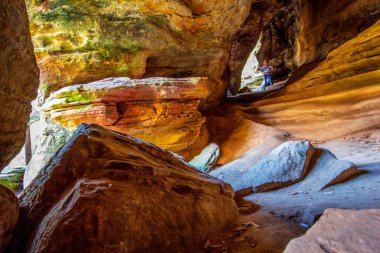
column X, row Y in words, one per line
column 19, row 76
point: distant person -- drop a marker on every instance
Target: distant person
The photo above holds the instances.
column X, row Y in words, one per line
column 267, row 76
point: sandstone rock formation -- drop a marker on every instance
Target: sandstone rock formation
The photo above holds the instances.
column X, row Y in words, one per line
column 339, row 96
column 105, row 191
column 79, row 42
column 285, row 165
column 18, row 78
column 8, row 216
column 207, row 159
column 305, row 31
column 164, row 111
column 237, row 134
column 244, row 41
column 313, row 169
column 340, row 230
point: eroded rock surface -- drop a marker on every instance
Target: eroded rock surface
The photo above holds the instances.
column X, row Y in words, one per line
column 207, row 159
column 285, row 165
column 305, row 31
column 105, row 191
column 79, row 42
column 18, row 78
column 164, row 111
column 8, row 216
column 340, row 230
column 338, row 97
column 297, row 165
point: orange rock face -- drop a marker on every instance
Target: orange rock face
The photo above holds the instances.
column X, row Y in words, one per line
column 108, row 192
column 339, row 96
column 81, row 41
column 163, row 111
column 18, row 78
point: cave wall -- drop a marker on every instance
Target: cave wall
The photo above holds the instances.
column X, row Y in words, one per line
column 339, row 96
column 84, row 41
column 18, row 78
column 244, row 41
column 306, row 31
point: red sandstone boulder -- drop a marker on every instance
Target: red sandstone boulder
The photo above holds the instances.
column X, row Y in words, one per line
column 104, row 191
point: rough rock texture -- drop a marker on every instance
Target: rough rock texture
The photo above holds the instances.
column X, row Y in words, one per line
column 207, row 159
column 164, row 111
column 244, row 41
column 121, row 195
column 8, row 215
column 84, row 41
column 340, row 230
column 287, row 164
column 18, row 78
column 237, row 134
column 49, row 138
column 304, row 31
column 339, row 96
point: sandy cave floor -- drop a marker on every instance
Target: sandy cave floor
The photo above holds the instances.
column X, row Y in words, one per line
column 282, row 212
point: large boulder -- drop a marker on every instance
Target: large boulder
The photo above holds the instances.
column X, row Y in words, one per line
column 18, row 78
column 104, row 191
column 296, row 163
column 340, row 230
column 79, row 42
column 9, row 209
column 283, row 166
column 207, row 159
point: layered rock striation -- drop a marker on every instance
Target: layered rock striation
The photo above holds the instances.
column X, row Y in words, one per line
column 105, row 191
column 79, row 42
column 164, row 111
column 338, row 96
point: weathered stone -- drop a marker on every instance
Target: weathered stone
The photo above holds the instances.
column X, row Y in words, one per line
column 164, row 111
column 244, row 41
column 237, row 134
column 207, row 159
column 105, row 191
column 338, row 97
column 18, row 78
column 283, row 166
column 286, row 165
column 49, row 138
column 341, row 230
column 305, row 31
column 80, row 42
column 8, row 216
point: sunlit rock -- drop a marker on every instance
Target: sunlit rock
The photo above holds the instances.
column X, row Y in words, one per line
column 337, row 97
column 84, row 41
column 105, row 191
column 298, row 163
column 340, row 230
column 164, row 111
column 207, row 159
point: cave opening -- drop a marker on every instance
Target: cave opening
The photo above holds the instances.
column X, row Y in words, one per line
column 159, row 160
